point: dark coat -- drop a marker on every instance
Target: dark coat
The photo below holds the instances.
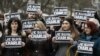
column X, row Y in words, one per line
column 61, row 49
column 96, row 48
column 93, row 38
column 12, row 51
column 38, row 48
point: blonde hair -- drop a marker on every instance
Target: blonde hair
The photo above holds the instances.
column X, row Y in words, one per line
column 41, row 26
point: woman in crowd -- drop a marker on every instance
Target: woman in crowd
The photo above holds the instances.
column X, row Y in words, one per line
column 39, row 48
column 90, row 34
column 63, row 49
column 96, row 47
column 14, row 28
column 31, row 16
column 78, row 25
column 40, row 25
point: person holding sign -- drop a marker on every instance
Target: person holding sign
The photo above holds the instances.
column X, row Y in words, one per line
column 14, row 28
column 31, row 16
column 40, row 16
column 91, row 35
column 64, row 48
column 36, row 17
column 36, row 46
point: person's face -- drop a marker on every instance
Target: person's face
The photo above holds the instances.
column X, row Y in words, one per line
column 78, row 22
column 87, row 29
column 36, row 26
column 31, row 15
column 82, row 26
column 14, row 25
column 65, row 25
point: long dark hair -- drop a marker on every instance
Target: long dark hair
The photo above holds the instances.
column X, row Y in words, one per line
column 19, row 29
column 73, row 30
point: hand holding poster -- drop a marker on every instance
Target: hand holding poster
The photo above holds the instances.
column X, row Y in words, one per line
column 39, row 35
column 28, row 24
column 60, row 11
column 85, row 47
column 13, row 41
column 62, row 36
column 33, row 7
column 53, row 20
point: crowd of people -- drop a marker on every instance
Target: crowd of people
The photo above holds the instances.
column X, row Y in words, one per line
column 87, row 30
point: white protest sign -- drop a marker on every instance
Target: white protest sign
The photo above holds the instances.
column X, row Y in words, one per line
column 81, row 15
column 53, row 20
column 85, row 47
column 60, row 11
column 62, row 36
column 13, row 41
column 8, row 16
column 28, row 24
column 39, row 35
column 90, row 13
column 33, row 7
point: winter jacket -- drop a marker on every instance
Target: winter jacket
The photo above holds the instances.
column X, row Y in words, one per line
column 36, row 48
column 91, row 38
column 96, row 48
column 12, row 51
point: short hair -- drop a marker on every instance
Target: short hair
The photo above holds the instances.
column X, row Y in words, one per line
column 92, row 26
